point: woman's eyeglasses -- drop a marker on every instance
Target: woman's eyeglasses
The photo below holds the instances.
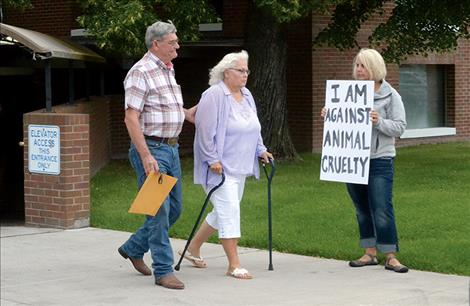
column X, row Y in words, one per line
column 241, row 71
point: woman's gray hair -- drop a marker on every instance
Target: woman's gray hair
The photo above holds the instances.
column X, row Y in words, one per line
column 216, row 74
column 157, row 30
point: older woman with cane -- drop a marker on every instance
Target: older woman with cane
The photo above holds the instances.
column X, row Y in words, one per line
column 228, row 139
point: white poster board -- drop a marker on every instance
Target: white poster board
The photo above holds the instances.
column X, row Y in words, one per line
column 44, row 149
column 347, row 131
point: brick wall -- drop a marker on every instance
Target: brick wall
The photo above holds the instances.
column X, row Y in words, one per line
column 450, row 95
column 98, row 110
column 457, row 93
column 329, row 63
column 52, row 17
column 119, row 136
column 306, row 86
column 234, row 18
column 63, row 200
column 462, row 89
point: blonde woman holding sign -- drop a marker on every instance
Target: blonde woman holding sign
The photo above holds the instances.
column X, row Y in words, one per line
column 373, row 202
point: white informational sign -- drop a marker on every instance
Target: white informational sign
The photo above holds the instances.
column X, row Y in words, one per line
column 44, row 149
column 347, row 131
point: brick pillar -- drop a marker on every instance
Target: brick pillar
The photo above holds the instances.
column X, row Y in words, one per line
column 60, row 201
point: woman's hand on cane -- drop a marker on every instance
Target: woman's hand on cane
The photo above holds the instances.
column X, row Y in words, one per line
column 216, row 167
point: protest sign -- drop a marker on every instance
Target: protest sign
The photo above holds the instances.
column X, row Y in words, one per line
column 347, row 131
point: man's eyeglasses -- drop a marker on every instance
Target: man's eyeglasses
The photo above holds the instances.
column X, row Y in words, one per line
column 172, row 43
column 241, row 71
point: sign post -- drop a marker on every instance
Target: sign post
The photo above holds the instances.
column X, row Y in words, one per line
column 347, row 131
column 44, row 149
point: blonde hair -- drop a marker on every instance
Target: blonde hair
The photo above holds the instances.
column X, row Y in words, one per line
column 373, row 62
column 216, row 74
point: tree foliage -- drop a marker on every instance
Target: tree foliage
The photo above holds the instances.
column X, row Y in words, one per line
column 421, row 27
column 119, row 25
column 416, row 27
column 285, row 11
column 16, row 4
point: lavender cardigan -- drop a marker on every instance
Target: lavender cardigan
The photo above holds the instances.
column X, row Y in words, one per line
column 211, row 124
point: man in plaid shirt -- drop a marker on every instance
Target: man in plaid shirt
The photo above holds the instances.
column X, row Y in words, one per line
column 154, row 118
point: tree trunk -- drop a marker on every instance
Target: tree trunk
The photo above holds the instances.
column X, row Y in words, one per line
column 266, row 44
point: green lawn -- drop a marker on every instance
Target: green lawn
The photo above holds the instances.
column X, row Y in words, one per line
column 316, row 218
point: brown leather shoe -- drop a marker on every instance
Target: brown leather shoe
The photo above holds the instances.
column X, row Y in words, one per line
column 169, row 281
column 138, row 264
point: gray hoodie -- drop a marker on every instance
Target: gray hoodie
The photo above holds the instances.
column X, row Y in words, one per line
column 391, row 124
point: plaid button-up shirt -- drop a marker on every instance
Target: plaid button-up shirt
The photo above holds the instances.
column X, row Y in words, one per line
column 151, row 89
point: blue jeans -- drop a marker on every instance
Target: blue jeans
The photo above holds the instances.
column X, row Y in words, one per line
column 374, row 208
column 153, row 234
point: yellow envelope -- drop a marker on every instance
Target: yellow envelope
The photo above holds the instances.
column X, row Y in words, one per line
column 152, row 194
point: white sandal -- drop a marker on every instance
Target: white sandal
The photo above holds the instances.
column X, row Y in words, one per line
column 198, row 262
column 240, row 273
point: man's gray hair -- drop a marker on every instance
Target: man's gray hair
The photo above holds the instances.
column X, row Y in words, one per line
column 157, row 30
column 230, row 60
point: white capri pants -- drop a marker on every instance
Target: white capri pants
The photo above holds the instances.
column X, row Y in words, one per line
column 225, row 216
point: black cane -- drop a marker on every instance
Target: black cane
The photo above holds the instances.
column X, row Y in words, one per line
column 177, row 267
column 270, row 225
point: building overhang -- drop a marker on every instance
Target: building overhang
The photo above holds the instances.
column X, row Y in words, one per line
column 44, row 46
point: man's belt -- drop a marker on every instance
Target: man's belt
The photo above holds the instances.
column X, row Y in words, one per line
column 169, row 141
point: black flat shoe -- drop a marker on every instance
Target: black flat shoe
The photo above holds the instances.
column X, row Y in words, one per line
column 359, row 263
column 398, row 268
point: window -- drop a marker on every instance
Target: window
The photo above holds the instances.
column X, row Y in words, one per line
column 422, row 88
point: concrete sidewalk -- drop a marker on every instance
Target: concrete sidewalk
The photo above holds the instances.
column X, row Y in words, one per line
column 82, row 267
